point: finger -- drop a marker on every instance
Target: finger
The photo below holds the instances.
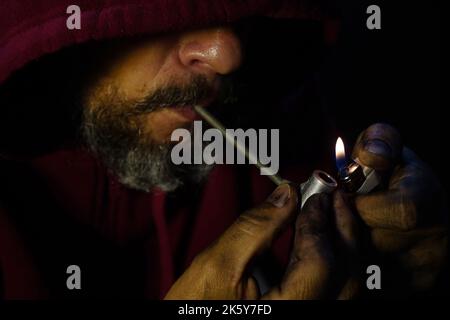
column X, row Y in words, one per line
column 378, row 147
column 346, row 224
column 252, row 291
column 389, row 241
column 425, row 261
column 393, row 209
column 351, row 289
column 311, row 237
column 347, row 232
column 308, row 271
column 412, row 186
column 254, row 231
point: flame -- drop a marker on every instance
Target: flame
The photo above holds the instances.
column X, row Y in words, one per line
column 340, row 153
column 340, row 149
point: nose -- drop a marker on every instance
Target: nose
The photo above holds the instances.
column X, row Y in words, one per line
column 211, row 51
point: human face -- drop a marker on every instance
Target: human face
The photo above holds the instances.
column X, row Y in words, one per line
column 146, row 91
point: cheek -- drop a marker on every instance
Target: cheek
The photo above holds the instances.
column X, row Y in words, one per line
column 142, row 69
column 135, row 76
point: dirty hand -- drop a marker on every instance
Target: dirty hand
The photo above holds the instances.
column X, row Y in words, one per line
column 407, row 219
column 222, row 270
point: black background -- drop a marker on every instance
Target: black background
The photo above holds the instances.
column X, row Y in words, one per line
column 289, row 80
column 390, row 75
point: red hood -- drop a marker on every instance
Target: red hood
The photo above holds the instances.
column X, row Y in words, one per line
column 32, row 28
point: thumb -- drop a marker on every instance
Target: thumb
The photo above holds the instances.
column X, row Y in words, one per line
column 254, row 230
column 379, row 147
column 252, row 291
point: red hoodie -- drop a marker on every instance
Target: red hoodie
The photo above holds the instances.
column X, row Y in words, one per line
column 64, row 208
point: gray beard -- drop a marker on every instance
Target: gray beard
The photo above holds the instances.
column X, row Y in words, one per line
column 144, row 168
column 115, row 131
column 137, row 162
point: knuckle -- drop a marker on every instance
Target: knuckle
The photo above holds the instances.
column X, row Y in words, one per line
column 248, row 223
column 256, row 220
column 254, row 217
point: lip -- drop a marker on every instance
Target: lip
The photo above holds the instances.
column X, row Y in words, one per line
column 190, row 114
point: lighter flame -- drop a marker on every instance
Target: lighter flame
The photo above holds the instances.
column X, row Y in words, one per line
column 340, row 149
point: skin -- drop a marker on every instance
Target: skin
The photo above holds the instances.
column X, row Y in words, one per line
column 220, row 272
column 405, row 220
column 147, row 64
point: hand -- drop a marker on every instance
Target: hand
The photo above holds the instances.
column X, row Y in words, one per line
column 222, row 271
column 407, row 219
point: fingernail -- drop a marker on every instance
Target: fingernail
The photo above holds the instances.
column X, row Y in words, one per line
column 280, row 197
column 378, row 147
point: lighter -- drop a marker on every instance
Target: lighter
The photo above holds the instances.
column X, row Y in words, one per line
column 354, row 176
column 319, row 182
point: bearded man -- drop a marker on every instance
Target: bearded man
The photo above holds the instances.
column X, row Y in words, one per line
column 87, row 178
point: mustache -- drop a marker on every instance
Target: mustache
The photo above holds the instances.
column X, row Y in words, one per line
column 177, row 96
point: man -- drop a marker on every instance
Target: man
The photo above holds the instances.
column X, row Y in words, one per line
column 109, row 200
